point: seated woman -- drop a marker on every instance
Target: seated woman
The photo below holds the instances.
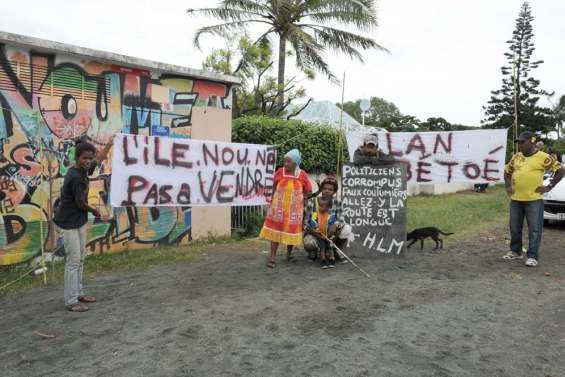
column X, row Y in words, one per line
column 283, row 223
column 341, row 231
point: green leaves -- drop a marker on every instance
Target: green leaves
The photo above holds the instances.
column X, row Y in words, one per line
column 517, row 81
column 318, row 144
column 304, row 23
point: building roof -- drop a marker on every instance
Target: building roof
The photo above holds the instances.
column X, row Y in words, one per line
column 326, row 112
column 47, row 46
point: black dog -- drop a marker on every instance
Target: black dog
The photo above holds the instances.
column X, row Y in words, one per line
column 422, row 233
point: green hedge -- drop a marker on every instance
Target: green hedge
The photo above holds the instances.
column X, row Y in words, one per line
column 318, row 144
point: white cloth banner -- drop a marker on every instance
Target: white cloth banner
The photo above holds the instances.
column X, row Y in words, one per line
column 152, row 171
column 473, row 156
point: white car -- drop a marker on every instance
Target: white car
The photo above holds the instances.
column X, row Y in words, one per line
column 554, row 203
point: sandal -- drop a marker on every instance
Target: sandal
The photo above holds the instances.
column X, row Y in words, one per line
column 77, row 308
column 89, row 299
column 290, row 259
column 271, row 264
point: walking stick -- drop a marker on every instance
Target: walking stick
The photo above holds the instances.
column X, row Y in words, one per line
column 332, row 244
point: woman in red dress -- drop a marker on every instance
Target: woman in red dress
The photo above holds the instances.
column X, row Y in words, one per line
column 283, row 223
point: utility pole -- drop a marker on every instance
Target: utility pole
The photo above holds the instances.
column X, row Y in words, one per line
column 365, row 105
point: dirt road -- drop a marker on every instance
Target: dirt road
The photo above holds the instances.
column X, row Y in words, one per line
column 460, row 312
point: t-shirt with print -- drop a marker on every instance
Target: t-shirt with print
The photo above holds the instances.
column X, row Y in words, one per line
column 527, row 174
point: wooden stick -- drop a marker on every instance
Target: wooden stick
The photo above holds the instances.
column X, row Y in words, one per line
column 332, row 244
column 44, row 335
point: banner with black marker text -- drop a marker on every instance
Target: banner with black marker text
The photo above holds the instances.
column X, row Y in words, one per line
column 472, row 156
column 150, row 171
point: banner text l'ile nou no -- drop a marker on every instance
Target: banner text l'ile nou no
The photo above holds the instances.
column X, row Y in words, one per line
column 162, row 171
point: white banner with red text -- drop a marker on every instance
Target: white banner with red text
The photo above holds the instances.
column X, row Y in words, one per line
column 150, row 171
column 473, row 156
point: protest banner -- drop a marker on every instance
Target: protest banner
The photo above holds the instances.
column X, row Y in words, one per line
column 473, row 156
column 152, row 171
column 374, row 205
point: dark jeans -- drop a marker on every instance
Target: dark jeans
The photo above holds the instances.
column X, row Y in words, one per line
column 533, row 212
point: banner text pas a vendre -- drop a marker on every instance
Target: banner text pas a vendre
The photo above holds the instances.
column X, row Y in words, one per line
column 161, row 171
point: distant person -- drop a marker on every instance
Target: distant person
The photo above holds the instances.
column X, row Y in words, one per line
column 540, row 146
column 523, row 177
column 284, row 220
column 369, row 153
column 71, row 215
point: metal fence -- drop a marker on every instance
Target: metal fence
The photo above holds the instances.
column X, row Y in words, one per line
column 240, row 216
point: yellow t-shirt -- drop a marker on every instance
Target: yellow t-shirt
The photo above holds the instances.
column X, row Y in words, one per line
column 527, row 174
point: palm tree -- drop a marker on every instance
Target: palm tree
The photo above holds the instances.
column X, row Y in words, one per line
column 305, row 24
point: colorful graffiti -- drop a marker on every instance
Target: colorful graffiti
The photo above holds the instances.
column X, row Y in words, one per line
column 48, row 100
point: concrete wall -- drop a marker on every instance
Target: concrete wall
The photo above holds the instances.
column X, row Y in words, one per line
column 436, row 189
column 49, row 98
column 211, row 124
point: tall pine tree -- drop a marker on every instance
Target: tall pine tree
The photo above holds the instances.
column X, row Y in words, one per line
column 499, row 113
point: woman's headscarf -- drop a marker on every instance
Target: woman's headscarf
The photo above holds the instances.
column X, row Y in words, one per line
column 295, row 156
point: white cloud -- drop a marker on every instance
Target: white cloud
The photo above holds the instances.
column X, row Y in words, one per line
column 445, row 54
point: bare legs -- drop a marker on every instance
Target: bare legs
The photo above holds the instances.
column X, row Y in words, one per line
column 273, row 258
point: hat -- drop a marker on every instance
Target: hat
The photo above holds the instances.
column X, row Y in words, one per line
column 294, row 155
column 371, row 139
column 526, row 135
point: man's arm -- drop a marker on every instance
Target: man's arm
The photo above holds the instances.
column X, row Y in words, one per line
column 508, row 170
column 508, row 183
column 103, row 154
column 361, row 159
column 551, row 164
column 557, row 176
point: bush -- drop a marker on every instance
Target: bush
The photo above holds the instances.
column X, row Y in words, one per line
column 251, row 227
column 318, row 144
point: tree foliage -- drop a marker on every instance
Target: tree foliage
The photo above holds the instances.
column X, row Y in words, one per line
column 517, row 76
column 252, row 63
column 381, row 113
column 558, row 112
column 318, row 144
column 385, row 114
column 310, row 27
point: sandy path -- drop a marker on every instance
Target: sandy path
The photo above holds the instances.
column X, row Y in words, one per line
column 460, row 312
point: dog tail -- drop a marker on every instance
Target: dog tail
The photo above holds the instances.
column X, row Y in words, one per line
column 445, row 234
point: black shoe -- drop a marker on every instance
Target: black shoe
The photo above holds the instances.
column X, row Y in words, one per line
column 325, row 265
column 332, row 264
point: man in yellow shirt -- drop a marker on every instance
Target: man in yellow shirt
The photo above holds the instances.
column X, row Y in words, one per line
column 523, row 177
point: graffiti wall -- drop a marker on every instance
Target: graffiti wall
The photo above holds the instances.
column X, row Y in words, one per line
column 47, row 101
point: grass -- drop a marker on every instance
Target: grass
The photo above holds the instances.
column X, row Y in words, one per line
column 126, row 261
column 461, row 213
